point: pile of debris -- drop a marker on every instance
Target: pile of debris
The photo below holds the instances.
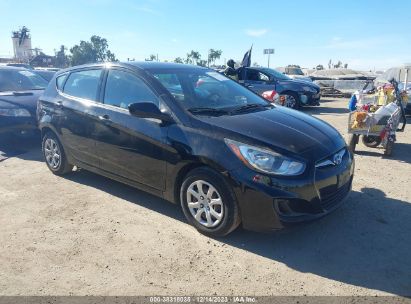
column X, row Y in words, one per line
column 342, row 82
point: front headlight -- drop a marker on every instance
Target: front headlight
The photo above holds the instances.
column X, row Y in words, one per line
column 265, row 161
column 15, row 112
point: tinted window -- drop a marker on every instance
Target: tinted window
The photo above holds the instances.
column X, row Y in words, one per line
column 60, row 81
column 20, row 80
column 276, row 74
column 123, row 88
column 83, row 84
column 206, row 89
column 172, row 84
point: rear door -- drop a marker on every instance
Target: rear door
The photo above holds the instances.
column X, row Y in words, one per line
column 77, row 106
column 129, row 146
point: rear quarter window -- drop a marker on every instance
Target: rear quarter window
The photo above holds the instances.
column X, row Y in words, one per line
column 60, row 81
column 83, row 84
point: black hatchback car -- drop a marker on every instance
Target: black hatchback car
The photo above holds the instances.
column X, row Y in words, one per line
column 194, row 137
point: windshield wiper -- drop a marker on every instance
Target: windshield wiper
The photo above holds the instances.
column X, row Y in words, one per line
column 15, row 93
column 250, row 106
column 207, row 110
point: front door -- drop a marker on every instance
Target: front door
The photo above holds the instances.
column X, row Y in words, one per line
column 258, row 81
column 129, row 146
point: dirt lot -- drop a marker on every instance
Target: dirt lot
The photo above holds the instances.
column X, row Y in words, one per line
column 87, row 235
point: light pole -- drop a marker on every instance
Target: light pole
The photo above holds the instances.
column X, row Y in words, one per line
column 268, row 52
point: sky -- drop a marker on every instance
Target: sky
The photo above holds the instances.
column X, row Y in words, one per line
column 365, row 34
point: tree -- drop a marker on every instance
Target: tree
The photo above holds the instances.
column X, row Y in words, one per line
column 193, row 57
column 202, row 63
column 95, row 50
column 153, row 57
column 213, row 55
column 62, row 59
column 338, row 65
column 178, row 60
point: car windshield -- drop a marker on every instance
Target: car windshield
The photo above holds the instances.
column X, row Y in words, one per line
column 208, row 90
column 295, row 71
column 20, row 80
column 275, row 74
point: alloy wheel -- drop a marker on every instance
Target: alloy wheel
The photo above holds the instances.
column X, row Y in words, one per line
column 290, row 101
column 52, row 153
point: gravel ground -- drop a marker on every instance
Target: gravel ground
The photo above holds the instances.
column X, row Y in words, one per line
column 87, row 235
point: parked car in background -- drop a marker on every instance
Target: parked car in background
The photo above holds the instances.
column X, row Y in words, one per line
column 18, row 65
column 294, row 73
column 19, row 91
column 45, row 74
column 197, row 138
column 296, row 92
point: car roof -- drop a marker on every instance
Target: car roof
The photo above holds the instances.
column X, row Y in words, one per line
column 8, row 67
column 148, row 65
column 143, row 65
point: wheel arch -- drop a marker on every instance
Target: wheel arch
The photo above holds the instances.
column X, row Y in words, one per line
column 48, row 128
column 182, row 172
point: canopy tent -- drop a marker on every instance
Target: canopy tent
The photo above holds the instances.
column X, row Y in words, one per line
column 398, row 73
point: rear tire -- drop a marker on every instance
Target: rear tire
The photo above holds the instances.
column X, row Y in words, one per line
column 209, row 203
column 54, row 155
column 371, row 141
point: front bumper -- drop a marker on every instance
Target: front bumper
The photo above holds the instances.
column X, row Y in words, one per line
column 309, row 98
column 269, row 203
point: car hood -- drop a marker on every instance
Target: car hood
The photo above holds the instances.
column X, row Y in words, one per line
column 26, row 99
column 300, row 78
column 300, row 82
column 283, row 130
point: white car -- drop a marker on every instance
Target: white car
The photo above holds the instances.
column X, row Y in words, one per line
column 294, row 73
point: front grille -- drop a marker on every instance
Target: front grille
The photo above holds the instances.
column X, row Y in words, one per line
column 329, row 199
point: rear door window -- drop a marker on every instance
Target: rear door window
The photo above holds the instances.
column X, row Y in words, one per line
column 83, row 84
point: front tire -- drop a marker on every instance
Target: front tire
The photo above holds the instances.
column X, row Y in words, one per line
column 291, row 101
column 54, row 155
column 209, row 203
column 388, row 148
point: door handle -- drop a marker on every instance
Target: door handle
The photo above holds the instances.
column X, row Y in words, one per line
column 59, row 103
column 104, row 117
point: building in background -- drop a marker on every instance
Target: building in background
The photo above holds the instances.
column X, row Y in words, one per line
column 43, row 60
column 23, row 51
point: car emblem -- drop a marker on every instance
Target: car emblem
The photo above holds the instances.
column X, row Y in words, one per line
column 337, row 158
column 334, row 161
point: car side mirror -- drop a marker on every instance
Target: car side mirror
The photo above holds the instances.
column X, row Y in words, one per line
column 148, row 110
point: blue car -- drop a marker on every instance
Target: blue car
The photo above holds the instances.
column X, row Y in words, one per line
column 293, row 93
column 19, row 91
